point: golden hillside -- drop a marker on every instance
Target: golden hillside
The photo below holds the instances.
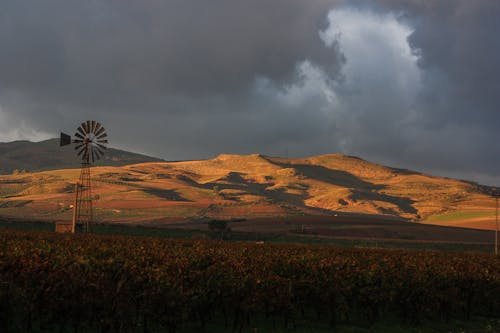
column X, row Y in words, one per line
column 235, row 186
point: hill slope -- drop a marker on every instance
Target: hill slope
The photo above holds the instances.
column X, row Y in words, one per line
column 251, row 186
column 47, row 155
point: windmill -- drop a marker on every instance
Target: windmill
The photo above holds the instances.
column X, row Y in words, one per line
column 90, row 142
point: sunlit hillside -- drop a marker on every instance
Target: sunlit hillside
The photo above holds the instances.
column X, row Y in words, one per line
column 250, row 186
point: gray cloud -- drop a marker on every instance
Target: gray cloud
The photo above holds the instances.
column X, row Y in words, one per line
column 97, row 48
column 458, row 104
column 409, row 83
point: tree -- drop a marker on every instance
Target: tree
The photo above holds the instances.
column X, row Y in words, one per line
column 219, row 228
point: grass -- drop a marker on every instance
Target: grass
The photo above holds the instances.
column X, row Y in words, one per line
column 107, row 229
column 180, row 233
column 161, row 212
column 459, row 215
column 34, row 226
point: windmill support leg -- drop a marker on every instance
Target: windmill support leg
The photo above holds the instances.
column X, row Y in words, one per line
column 83, row 210
column 73, row 220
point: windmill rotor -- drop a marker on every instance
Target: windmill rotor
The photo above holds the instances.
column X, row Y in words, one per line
column 90, row 140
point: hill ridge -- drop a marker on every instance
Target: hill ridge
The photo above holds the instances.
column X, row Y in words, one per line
column 248, row 186
column 47, row 155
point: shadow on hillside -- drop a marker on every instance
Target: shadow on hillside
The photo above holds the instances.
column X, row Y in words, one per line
column 404, row 204
column 331, row 176
column 361, row 190
column 235, row 181
column 405, row 172
column 164, row 194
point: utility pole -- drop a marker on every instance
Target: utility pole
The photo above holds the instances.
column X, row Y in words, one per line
column 496, row 194
column 496, row 223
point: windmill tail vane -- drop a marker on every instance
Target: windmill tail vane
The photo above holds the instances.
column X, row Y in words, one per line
column 90, row 140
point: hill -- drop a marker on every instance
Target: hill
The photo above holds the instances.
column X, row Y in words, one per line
column 47, row 155
column 250, row 187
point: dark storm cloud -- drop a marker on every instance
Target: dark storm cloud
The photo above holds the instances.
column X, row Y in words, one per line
column 459, row 41
column 62, row 60
column 190, row 79
column 458, row 48
column 94, row 48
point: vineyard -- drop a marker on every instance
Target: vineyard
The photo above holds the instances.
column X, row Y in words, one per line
column 80, row 283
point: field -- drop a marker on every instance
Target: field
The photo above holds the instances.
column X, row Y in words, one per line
column 360, row 227
column 113, row 283
column 350, row 231
column 251, row 187
column 472, row 218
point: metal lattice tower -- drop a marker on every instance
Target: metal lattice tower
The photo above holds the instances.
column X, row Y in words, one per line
column 82, row 212
column 90, row 142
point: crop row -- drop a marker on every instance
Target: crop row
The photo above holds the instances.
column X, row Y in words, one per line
column 111, row 283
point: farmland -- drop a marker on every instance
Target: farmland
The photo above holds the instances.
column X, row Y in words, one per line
column 114, row 283
column 351, row 232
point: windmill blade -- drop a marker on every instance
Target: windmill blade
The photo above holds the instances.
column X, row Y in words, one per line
column 102, row 136
column 98, row 153
column 102, row 146
column 99, row 150
column 88, row 127
column 82, row 150
column 93, row 155
column 84, row 127
column 77, row 141
column 79, row 135
column 100, row 131
column 81, row 130
column 64, row 140
column 79, row 146
column 97, row 127
column 92, row 127
column 102, row 141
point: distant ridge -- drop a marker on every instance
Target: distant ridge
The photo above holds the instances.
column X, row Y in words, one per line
column 47, row 155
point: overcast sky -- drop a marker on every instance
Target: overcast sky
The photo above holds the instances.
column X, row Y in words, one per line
column 406, row 83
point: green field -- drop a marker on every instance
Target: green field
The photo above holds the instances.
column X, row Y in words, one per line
column 459, row 215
